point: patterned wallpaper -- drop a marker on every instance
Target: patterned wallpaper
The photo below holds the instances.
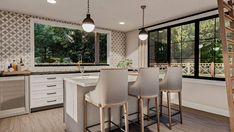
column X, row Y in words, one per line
column 118, row 48
column 15, row 39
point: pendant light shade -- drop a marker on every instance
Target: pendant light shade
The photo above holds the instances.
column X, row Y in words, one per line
column 88, row 24
column 143, row 35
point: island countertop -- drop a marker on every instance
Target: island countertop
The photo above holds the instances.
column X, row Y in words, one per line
column 91, row 80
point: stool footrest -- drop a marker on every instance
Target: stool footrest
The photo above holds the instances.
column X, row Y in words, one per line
column 137, row 123
column 87, row 128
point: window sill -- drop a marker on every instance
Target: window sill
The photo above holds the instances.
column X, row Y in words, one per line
column 205, row 78
column 57, row 65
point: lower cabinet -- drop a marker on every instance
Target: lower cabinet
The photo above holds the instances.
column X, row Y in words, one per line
column 46, row 90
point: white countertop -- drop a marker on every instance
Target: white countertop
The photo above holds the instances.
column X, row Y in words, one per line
column 89, row 81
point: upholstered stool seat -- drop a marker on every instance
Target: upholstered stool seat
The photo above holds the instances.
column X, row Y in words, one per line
column 146, row 87
column 172, row 83
column 111, row 90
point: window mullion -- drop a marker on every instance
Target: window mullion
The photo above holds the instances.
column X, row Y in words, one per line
column 196, row 49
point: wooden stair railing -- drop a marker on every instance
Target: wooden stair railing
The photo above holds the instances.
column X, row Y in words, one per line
column 226, row 14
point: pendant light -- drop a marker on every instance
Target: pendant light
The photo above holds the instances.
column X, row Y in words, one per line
column 143, row 35
column 88, row 23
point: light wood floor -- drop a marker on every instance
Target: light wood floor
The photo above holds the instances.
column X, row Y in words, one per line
column 52, row 121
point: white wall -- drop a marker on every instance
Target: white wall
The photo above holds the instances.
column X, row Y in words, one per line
column 204, row 95
column 132, row 47
column 136, row 50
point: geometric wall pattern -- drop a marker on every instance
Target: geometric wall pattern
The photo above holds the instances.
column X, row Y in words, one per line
column 118, row 48
column 15, row 39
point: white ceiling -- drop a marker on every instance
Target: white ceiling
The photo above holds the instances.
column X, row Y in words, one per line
column 108, row 13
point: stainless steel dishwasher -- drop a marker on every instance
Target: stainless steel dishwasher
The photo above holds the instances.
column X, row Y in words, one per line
column 14, row 96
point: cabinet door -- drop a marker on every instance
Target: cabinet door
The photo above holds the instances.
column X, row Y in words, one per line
column 12, row 93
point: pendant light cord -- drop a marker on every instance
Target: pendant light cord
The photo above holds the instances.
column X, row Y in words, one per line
column 88, row 6
column 143, row 16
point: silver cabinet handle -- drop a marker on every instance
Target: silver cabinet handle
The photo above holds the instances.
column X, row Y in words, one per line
column 50, row 78
column 51, row 93
column 51, row 101
column 51, row 85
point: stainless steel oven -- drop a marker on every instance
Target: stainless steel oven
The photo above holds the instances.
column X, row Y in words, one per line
column 14, row 96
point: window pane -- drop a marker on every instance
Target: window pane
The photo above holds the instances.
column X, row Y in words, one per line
column 206, row 61
column 188, row 67
column 207, row 29
column 152, row 49
column 188, row 49
column 188, row 32
column 176, row 50
column 103, row 47
column 158, row 47
column 211, row 59
column 176, row 34
column 218, row 55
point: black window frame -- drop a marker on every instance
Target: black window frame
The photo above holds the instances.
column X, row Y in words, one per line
column 196, row 45
column 55, row 24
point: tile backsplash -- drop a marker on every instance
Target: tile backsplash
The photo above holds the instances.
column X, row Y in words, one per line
column 15, row 41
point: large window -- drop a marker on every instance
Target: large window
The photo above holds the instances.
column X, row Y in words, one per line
column 54, row 45
column 194, row 45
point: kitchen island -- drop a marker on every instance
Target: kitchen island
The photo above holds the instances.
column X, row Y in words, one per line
column 75, row 89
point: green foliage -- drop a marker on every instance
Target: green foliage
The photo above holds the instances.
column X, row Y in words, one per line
column 124, row 63
column 64, row 45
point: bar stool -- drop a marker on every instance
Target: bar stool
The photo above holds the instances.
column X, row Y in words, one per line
column 146, row 87
column 111, row 90
column 172, row 83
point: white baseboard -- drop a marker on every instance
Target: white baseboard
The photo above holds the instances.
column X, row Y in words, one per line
column 206, row 108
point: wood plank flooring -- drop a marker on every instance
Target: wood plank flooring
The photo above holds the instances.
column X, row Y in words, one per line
column 52, row 121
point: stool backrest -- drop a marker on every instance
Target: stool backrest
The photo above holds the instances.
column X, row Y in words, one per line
column 173, row 78
column 112, row 86
column 147, row 81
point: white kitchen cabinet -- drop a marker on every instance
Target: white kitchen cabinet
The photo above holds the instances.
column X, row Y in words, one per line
column 46, row 90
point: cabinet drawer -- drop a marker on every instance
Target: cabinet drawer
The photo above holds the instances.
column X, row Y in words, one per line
column 46, row 93
column 46, row 86
column 46, row 78
column 46, row 101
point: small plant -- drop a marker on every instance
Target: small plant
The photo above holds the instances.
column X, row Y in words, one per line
column 124, row 63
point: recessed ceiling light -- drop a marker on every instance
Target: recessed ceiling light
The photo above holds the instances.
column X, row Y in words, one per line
column 121, row 23
column 51, row 1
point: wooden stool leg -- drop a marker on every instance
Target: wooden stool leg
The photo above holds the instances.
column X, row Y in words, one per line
column 169, row 108
column 120, row 117
column 142, row 115
column 139, row 110
column 102, row 122
column 126, row 116
column 157, row 110
column 161, row 102
column 85, row 115
column 148, row 109
column 109, row 119
column 180, row 107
